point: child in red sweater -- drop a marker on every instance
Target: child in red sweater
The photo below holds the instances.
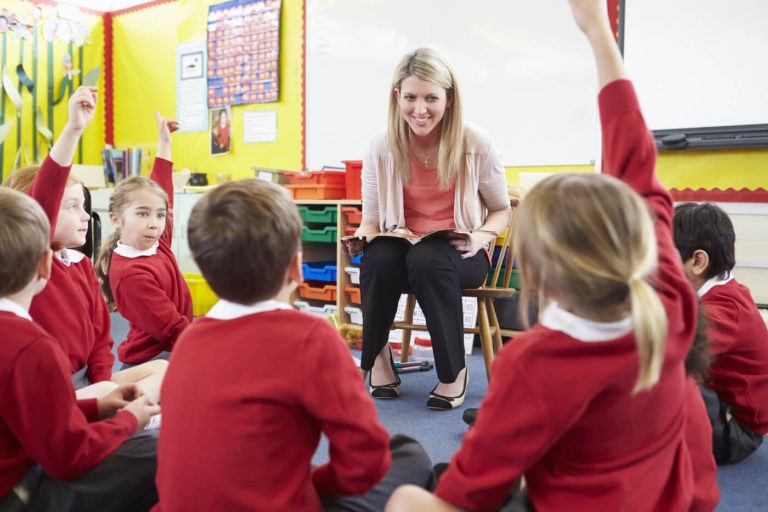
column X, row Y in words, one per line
column 736, row 390
column 51, row 457
column 591, row 404
column 282, row 377
column 138, row 271
column 71, row 307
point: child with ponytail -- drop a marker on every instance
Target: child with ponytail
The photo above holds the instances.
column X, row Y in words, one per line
column 591, row 405
column 138, row 272
column 71, row 308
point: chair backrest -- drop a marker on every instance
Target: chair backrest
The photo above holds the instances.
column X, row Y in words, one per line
column 506, row 258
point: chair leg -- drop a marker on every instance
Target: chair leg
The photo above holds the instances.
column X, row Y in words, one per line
column 495, row 327
column 486, row 341
column 410, row 305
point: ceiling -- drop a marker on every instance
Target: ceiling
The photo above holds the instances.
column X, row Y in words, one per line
column 105, row 5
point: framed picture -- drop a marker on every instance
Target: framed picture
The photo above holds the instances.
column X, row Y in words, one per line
column 221, row 130
column 192, row 65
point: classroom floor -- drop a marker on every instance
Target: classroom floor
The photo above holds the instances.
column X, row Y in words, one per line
column 741, row 485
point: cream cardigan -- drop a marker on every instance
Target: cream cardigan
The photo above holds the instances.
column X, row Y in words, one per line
column 482, row 187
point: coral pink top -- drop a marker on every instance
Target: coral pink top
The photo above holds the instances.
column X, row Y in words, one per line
column 427, row 206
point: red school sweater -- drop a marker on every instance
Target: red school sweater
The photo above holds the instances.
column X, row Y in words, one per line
column 71, row 307
column 739, row 346
column 281, row 378
column 561, row 411
column 150, row 291
column 40, row 420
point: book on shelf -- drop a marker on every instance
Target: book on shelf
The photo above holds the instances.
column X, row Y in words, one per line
column 120, row 163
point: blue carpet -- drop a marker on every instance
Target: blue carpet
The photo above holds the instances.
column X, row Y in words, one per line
column 742, row 486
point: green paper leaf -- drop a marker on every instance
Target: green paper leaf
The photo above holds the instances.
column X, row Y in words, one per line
column 42, row 129
column 10, row 90
column 62, row 89
column 91, row 78
column 5, row 130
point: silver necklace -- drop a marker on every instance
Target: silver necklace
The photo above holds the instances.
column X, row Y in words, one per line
column 425, row 156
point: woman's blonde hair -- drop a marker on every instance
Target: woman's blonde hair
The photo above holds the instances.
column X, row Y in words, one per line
column 589, row 239
column 426, row 64
column 120, row 199
column 21, row 179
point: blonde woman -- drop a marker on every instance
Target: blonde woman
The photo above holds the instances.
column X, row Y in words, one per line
column 430, row 170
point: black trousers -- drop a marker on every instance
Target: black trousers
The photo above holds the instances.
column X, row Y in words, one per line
column 731, row 442
column 435, row 272
column 123, row 482
column 410, row 465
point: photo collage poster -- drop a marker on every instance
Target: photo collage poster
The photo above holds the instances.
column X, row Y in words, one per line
column 243, row 52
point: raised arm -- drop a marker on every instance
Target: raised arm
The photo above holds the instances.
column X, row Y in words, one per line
column 591, row 17
column 162, row 169
column 50, row 181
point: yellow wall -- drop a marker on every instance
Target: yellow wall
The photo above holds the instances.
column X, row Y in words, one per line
column 93, row 139
column 145, row 79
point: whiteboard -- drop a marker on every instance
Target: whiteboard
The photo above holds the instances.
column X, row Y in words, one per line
column 698, row 63
column 525, row 73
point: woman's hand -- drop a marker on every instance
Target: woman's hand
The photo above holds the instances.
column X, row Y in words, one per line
column 353, row 246
column 469, row 243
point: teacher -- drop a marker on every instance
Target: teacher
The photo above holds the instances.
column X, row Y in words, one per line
column 430, row 170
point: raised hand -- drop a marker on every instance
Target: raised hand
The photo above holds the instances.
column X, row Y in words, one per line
column 82, row 106
column 590, row 15
column 165, row 127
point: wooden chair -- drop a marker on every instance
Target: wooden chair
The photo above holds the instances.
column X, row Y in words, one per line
column 487, row 322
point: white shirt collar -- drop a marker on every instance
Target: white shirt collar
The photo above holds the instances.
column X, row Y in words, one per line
column 711, row 283
column 69, row 256
column 226, row 310
column 556, row 318
column 128, row 251
column 15, row 308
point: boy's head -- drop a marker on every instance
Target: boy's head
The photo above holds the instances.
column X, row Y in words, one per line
column 705, row 239
column 24, row 240
column 72, row 222
column 244, row 236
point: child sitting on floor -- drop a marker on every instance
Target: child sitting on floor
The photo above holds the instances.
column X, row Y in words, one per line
column 282, row 377
column 71, row 307
column 138, row 271
column 736, row 390
column 591, row 405
column 51, row 457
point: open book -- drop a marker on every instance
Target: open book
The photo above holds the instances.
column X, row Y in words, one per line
column 414, row 239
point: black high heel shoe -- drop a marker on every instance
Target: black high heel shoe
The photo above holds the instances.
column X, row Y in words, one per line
column 385, row 391
column 446, row 403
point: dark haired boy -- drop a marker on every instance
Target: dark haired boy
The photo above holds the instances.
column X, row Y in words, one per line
column 736, row 390
column 271, row 378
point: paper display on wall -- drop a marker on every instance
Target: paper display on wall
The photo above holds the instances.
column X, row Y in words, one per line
column 191, row 104
column 243, row 52
column 469, row 305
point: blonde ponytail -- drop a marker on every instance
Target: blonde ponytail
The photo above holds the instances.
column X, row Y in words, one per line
column 650, row 322
column 101, row 266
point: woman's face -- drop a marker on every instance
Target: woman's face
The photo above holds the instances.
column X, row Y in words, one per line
column 223, row 118
column 422, row 104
